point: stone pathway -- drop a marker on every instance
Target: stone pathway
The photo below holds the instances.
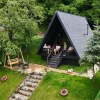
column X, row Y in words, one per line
column 42, row 68
column 88, row 74
column 66, row 72
column 32, row 68
column 26, row 88
column 36, row 67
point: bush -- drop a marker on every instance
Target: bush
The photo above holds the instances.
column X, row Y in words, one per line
column 98, row 96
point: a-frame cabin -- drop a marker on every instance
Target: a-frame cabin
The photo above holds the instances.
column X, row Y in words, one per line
column 65, row 30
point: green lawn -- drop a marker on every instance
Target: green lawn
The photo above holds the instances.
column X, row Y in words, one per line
column 79, row 88
column 34, row 58
column 32, row 50
column 80, row 69
column 9, row 86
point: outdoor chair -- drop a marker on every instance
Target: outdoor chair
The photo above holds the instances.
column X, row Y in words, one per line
column 57, row 49
column 70, row 49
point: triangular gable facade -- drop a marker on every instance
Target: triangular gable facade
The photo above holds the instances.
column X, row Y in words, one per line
column 74, row 28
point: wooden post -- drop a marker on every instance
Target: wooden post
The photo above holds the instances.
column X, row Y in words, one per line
column 9, row 61
column 22, row 56
column 5, row 60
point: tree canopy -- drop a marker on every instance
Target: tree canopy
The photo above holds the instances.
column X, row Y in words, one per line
column 19, row 20
column 88, row 8
column 92, row 52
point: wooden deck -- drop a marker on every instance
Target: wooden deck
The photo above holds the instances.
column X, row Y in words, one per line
column 68, row 59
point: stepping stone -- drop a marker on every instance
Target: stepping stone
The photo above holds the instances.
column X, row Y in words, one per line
column 34, row 80
column 30, row 84
column 27, row 88
column 12, row 98
column 19, row 96
column 26, row 93
column 36, row 73
column 33, row 76
column 36, row 77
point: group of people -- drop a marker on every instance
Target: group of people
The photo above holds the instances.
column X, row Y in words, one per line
column 49, row 48
column 57, row 48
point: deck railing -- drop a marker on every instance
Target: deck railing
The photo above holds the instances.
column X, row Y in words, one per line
column 49, row 57
column 60, row 53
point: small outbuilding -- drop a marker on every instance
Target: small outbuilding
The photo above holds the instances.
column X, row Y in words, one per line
column 65, row 40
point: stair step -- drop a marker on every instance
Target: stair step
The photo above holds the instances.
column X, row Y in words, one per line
column 56, row 58
column 19, row 96
column 53, row 64
column 12, row 99
column 30, row 84
column 33, row 80
column 54, row 61
column 36, row 77
column 39, row 74
column 26, row 93
column 27, row 88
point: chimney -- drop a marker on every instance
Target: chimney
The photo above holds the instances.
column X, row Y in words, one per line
column 87, row 29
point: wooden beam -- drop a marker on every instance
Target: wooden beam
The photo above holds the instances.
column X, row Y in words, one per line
column 9, row 61
column 22, row 56
column 5, row 60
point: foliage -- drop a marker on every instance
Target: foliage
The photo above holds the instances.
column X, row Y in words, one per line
column 92, row 52
column 20, row 20
column 79, row 69
column 88, row 8
column 32, row 51
column 79, row 88
column 98, row 96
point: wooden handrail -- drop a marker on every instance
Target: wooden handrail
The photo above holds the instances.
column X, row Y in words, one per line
column 49, row 56
column 60, row 53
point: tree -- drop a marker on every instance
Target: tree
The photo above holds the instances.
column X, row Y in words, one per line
column 20, row 20
column 88, row 8
column 92, row 52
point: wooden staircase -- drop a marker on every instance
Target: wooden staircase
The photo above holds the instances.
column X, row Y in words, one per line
column 54, row 61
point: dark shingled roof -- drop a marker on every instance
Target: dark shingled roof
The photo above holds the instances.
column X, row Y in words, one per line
column 75, row 28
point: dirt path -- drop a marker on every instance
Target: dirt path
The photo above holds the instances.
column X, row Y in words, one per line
column 41, row 68
column 66, row 72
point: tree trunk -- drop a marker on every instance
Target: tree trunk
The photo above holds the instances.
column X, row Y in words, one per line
column 10, row 33
column 93, row 72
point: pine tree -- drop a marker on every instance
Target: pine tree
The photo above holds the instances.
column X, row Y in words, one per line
column 92, row 52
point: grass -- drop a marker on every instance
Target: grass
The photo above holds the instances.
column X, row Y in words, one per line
column 43, row 28
column 79, row 88
column 32, row 52
column 80, row 69
column 10, row 85
column 34, row 58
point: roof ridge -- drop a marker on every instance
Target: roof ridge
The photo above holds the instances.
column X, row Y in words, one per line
column 69, row 14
